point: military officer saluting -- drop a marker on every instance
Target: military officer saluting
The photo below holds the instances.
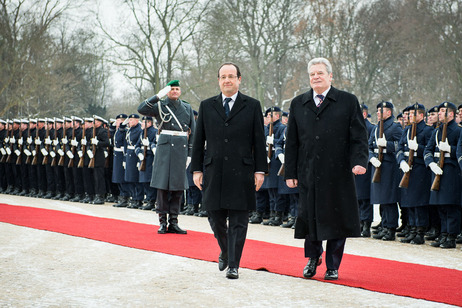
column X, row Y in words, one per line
column 173, row 154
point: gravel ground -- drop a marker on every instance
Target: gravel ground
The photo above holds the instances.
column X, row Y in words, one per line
column 46, row 269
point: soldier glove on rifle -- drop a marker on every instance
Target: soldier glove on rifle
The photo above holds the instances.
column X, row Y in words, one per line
column 375, row 162
column 382, row 142
column 444, row 146
column 281, row 158
column 412, row 144
column 435, row 168
column 404, row 166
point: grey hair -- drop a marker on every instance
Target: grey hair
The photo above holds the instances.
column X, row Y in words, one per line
column 320, row 61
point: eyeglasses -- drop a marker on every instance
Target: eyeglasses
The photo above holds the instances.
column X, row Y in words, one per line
column 227, row 77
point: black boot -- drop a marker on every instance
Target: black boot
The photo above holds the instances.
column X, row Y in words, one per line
column 439, row 240
column 40, row 194
column 66, row 197
column 49, row 195
column 277, row 221
column 257, row 218
column 163, row 224
column 173, row 225
column 23, row 193
column 450, row 241
column 123, row 202
column 32, row 192
column 404, row 232
column 186, row 209
column 432, row 234
column 390, row 236
column 135, row 204
column 366, row 230
column 99, row 199
column 459, row 238
column 272, row 215
column 149, row 205
column 58, row 196
column 419, row 238
column 289, row 223
column 111, row 198
column 380, row 234
column 410, row 236
column 77, row 198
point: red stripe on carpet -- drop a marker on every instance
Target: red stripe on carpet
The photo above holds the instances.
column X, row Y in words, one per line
column 374, row 274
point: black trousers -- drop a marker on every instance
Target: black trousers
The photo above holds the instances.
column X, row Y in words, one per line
column 231, row 239
column 60, row 179
column 78, row 180
column 88, row 181
column 69, row 179
column 100, row 183
column 334, row 251
column 168, row 202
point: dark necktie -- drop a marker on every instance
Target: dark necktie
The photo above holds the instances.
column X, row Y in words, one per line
column 227, row 100
column 321, row 99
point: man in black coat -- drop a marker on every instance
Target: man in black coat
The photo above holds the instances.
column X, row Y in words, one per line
column 326, row 146
column 233, row 167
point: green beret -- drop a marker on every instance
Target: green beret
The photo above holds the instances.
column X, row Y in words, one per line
column 174, row 83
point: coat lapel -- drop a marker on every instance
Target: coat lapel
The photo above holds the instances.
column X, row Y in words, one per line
column 218, row 105
column 238, row 105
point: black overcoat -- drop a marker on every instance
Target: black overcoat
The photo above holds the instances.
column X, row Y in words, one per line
column 322, row 146
column 235, row 151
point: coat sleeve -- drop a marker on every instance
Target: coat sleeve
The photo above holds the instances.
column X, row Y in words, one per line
column 291, row 149
column 199, row 138
column 259, row 141
column 359, row 154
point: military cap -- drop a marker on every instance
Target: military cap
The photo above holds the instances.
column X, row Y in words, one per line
column 433, row 109
column 364, row 106
column 447, row 105
column 174, row 83
column 33, row 121
column 460, row 106
column 134, row 116
column 2, row 121
column 195, row 112
column 25, row 121
column 399, row 116
column 17, row 121
column 285, row 114
column 77, row 119
column 275, row 109
column 419, row 107
column 59, row 120
column 50, row 120
column 99, row 118
column 385, row 105
column 88, row 119
column 67, row 119
column 121, row 116
column 147, row 118
column 406, row 109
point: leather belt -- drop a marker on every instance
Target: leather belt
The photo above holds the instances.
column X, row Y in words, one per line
column 121, row 149
column 173, row 133
column 438, row 154
column 377, row 151
column 130, row 147
column 407, row 153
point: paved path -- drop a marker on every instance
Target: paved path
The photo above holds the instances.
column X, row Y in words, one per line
column 46, row 269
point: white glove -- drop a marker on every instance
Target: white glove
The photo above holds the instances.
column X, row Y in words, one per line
column 84, row 141
column 106, row 154
column 413, row 145
column 382, row 142
column 90, row 154
column 375, row 162
column 44, row 152
column 64, row 140
column 12, row 140
column 60, row 152
column 34, row 153
column 281, row 158
column 7, row 139
column 141, row 156
column 125, row 122
column 164, row 91
column 435, row 168
column 268, row 159
column 154, row 151
column 444, row 146
column 2, row 150
column 80, row 153
column 20, row 141
column 37, row 141
column 403, row 165
column 270, row 139
column 188, row 161
column 17, row 152
column 123, row 164
column 74, row 142
column 27, row 152
column 52, row 154
column 94, row 141
column 145, row 142
column 55, row 142
column 8, row 151
column 48, row 140
column 70, row 155
column 29, row 140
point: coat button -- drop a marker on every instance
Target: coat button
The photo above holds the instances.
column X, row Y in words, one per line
column 226, row 124
column 226, row 140
column 172, row 144
column 226, row 157
column 317, row 118
column 317, row 137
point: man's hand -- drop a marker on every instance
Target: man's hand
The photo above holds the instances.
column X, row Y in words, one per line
column 292, row 183
column 259, row 178
column 145, row 142
column 412, row 144
column 435, row 168
column 382, row 142
column 444, row 146
column 197, row 178
column 358, row 170
column 404, row 166
column 270, row 139
column 375, row 162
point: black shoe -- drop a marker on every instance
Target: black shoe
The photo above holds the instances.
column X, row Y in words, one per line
column 222, row 262
column 256, row 218
column 366, row 229
column 439, row 240
column 232, row 273
column 201, row 214
column 76, row 198
column 410, row 236
column 459, row 239
column 404, row 232
column 402, row 227
column 450, row 242
column 123, row 202
column 110, row 198
column 58, row 196
column 310, row 269
column 390, row 236
column 289, row 223
column 23, row 193
column 381, row 234
column 432, row 234
column 49, row 195
column 98, row 200
column 66, row 197
column 277, row 221
column 134, row 204
column 149, row 205
column 331, row 275
column 174, row 228
column 162, row 229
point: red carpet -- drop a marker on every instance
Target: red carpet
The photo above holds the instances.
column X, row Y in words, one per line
column 424, row 282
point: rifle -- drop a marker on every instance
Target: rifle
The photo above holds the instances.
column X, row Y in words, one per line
column 47, row 146
column 53, row 161
column 19, row 159
column 34, row 161
column 437, row 179
column 145, row 148
column 84, row 149
column 8, row 158
column 28, row 159
column 109, row 150
column 61, row 159
column 405, row 179
column 71, row 160
column 91, row 164
column 3, row 159
column 270, row 133
column 378, row 171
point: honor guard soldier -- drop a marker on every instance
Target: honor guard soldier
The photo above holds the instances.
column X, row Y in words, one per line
column 145, row 149
column 68, row 133
column 363, row 185
column 112, row 190
column 58, row 154
column 84, row 160
column 21, row 157
column 131, row 162
column 440, row 156
column 74, row 158
column 459, row 159
column 118, row 170
column 415, row 186
column 432, row 117
column 3, row 176
column 29, row 150
column 385, row 192
column 47, row 152
column 173, row 154
column 12, row 157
